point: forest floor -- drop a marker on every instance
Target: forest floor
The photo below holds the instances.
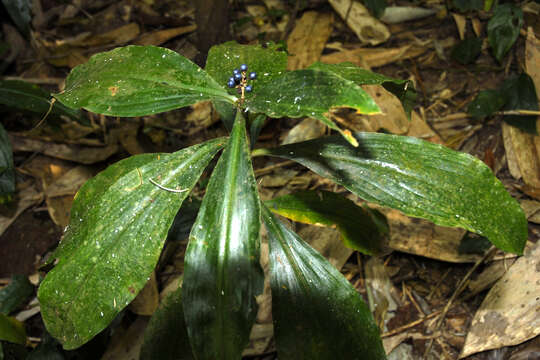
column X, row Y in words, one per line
column 428, row 293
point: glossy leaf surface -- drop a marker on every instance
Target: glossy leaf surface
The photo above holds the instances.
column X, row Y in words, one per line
column 402, row 89
column 268, row 62
column 361, row 228
column 30, row 97
column 503, row 28
column 310, row 93
column 7, row 171
column 317, row 314
column 139, row 80
column 166, row 337
column 419, row 178
column 222, row 273
column 119, row 222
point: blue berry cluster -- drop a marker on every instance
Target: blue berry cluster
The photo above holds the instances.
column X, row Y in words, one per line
column 240, row 78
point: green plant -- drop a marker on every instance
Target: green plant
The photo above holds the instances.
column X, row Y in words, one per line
column 120, row 218
column 502, row 30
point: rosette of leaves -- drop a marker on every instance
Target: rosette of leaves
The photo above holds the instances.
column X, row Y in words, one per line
column 120, row 218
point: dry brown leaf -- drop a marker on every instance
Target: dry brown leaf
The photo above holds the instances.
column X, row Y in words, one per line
column 532, row 64
column 126, row 343
column 72, row 51
column 531, row 209
column 263, row 330
column 259, row 339
column 461, row 23
column 61, row 192
column 392, row 117
column 308, row 38
column 264, row 301
column 306, row 130
column 420, row 129
column 69, row 182
column 368, row 29
column 509, row 314
column 377, row 57
column 392, row 342
column 128, row 138
column 382, row 296
column 49, row 171
column 77, row 153
column 399, row 14
column 278, row 179
column 159, row 37
column 490, row 275
column 328, row 242
column 368, row 58
column 532, row 58
column 477, row 27
column 66, row 56
column 527, row 157
column 423, row 238
column 511, row 158
column 147, row 300
column 120, row 35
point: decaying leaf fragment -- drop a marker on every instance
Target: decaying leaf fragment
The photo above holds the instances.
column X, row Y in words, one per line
column 509, row 314
column 366, row 27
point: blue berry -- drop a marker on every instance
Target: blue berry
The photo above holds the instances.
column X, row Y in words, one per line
column 243, row 67
column 253, row 75
column 249, row 88
column 237, row 77
column 231, row 78
column 236, row 71
column 231, row 83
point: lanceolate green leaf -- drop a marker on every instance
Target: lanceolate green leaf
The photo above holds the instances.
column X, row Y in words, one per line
column 139, row 80
column 310, row 93
column 503, row 28
column 361, row 228
column 7, row 171
column 317, row 314
column 119, row 222
column 26, row 96
column 166, row 337
column 402, row 89
column 222, row 273
column 419, row 178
